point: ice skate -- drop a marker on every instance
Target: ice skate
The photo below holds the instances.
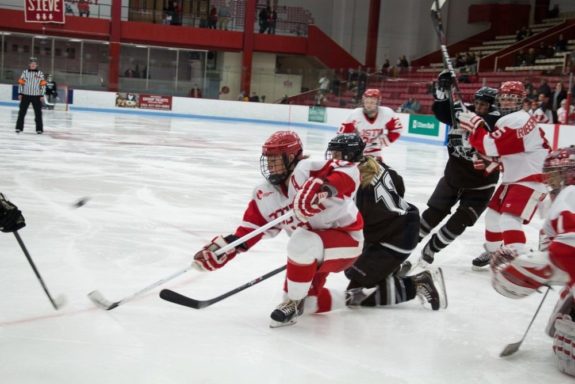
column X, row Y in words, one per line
column 426, row 258
column 482, row 261
column 355, row 296
column 286, row 313
column 404, row 269
column 430, row 288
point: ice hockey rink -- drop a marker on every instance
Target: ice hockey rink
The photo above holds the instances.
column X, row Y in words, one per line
column 161, row 187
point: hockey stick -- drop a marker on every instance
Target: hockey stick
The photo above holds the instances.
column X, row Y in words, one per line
column 176, row 298
column 60, row 300
column 510, row 349
column 438, row 26
column 99, row 299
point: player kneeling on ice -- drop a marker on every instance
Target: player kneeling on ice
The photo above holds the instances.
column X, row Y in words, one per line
column 517, row 275
column 391, row 229
column 325, row 232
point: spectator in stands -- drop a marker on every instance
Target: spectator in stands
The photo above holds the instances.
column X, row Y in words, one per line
column 224, row 15
column 385, row 67
column 562, row 117
column 175, row 10
column 361, row 82
column 263, row 19
column 69, row 9
column 335, row 86
column 520, row 34
column 83, row 8
column 558, row 95
column 323, row 85
column 410, row 106
column 402, row 64
column 543, row 114
column 561, row 44
column 542, row 51
column 520, row 58
column 531, row 93
column 527, row 105
column 544, row 88
column 213, row 18
column 470, row 62
column 195, row 92
column 130, row 72
column 530, row 57
column 553, row 12
column 272, row 21
column 254, row 98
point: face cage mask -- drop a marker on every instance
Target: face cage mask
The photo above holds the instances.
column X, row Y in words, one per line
column 275, row 178
column 518, row 104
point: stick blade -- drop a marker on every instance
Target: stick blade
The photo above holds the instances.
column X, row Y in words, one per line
column 176, row 298
column 97, row 298
column 510, row 349
column 60, row 301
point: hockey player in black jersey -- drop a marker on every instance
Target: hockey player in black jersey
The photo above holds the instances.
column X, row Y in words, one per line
column 391, row 227
column 51, row 92
column 468, row 179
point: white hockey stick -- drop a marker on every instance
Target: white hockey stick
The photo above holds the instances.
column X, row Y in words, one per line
column 99, row 299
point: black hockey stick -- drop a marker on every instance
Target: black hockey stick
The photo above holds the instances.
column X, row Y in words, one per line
column 510, row 349
column 60, row 300
column 176, row 298
column 438, row 26
column 99, row 299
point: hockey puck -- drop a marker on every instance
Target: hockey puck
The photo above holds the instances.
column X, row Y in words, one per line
column 81, row 202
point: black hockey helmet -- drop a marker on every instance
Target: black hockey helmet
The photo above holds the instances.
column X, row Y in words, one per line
column 486, row 94
column 349, row 145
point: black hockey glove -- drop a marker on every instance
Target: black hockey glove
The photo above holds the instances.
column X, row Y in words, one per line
column 445, row 80
column 11, row 218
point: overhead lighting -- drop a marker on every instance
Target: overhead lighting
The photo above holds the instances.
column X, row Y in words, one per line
column 75, row 40
column 40, row 37
column 141, row 46
column 5, row 33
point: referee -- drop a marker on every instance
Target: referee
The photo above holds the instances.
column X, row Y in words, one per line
column 31, row 88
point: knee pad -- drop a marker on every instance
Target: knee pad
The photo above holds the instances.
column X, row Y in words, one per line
column 464, row 216
column 305, row 247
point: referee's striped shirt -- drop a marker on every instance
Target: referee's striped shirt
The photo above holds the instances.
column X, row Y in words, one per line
column 32, row 83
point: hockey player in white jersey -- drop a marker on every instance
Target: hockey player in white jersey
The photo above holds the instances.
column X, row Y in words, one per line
column 519, row 274
column 325, row 231
column 521, row 147
column 378, row 126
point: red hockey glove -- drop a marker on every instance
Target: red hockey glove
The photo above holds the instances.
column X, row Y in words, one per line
column 469, row 121
column 207, row 260
column 307, row 201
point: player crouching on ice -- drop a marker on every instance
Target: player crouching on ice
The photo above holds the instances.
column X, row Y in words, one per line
column 325, row 231
column 391, row 229
column 517, row 275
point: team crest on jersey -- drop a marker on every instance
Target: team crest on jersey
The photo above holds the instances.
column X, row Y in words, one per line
column 261, row 194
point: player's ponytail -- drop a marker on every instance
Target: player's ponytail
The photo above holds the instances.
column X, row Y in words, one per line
column 369, row 168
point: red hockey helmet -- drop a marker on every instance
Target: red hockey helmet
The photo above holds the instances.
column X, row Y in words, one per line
column 511, row 96
column 372, row 92
column 280, row 154
column 559, row 168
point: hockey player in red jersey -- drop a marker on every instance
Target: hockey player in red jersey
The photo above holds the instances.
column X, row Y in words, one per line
column 378, row 126
column 325, row 231
column 518, row 274
column 521, row 147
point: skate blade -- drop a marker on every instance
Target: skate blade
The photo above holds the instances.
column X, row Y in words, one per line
column 480, row 269
column 277, row 324
column 439, row 282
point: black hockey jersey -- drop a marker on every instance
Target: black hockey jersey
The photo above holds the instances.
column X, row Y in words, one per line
column 387, row 216
column 459, row 170
column 51, row 88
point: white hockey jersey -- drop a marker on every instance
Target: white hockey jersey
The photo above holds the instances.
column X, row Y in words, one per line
column 518, row 142
column 269, row 201
column 560, row 228
column 543, row 116
column 377, row 133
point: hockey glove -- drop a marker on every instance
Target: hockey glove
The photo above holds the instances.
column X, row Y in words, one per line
column 207, row 260
column 469, row 121
column 11, row 218
column 307, row 201
column 445, row 80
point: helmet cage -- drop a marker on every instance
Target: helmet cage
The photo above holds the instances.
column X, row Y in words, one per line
column 280, row 154
column 559, row 168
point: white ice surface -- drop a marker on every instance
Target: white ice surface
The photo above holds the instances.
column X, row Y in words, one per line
column 159, row 188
